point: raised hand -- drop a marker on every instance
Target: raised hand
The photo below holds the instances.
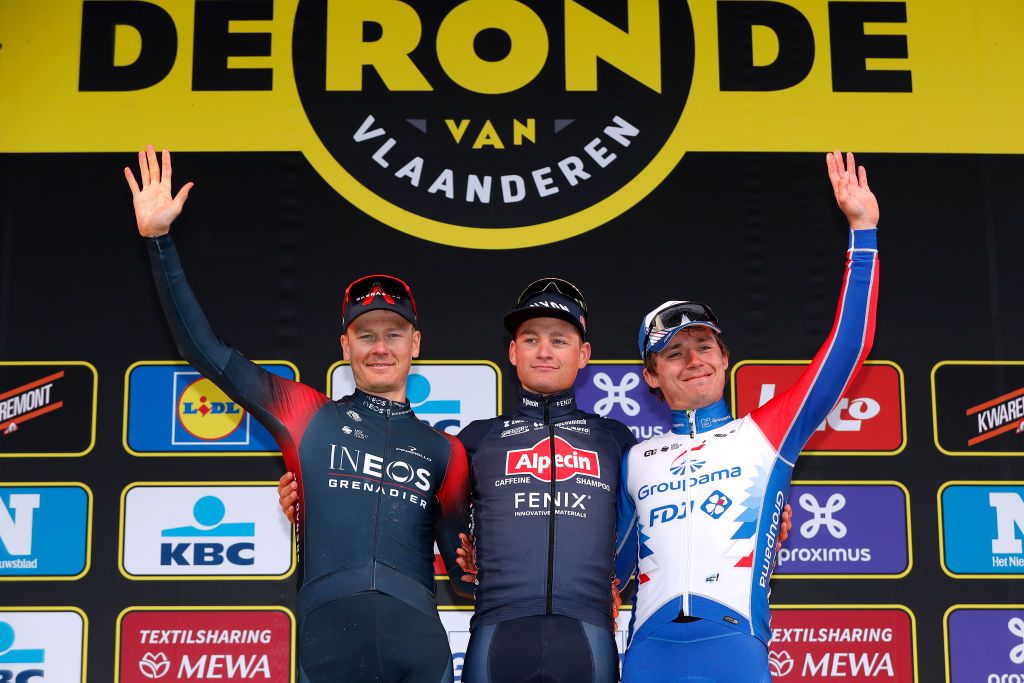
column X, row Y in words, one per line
column 850, row 186
column 155, row 208
column 288, row 493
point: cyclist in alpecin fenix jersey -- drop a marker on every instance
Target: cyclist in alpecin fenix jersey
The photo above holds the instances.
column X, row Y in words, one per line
column 376, row 486
column 699, row 508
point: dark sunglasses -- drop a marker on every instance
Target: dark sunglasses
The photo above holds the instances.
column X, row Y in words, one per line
column 363, row 289
column 680, row 314
column 553, row 284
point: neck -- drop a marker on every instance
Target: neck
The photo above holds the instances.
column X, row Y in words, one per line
column 703, row 419
column 533, row 404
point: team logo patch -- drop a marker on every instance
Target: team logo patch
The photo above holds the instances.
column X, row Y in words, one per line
column 569, row 461
column 716, row 504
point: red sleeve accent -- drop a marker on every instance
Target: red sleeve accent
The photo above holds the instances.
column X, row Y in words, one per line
column 453, row 493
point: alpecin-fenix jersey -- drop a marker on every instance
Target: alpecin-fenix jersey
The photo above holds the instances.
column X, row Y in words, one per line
column 376, row 485
column 700, row 507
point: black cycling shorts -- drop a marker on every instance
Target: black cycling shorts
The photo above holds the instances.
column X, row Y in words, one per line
column 373, row 637
column 541, row 649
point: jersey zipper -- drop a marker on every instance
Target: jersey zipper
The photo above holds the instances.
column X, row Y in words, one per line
column 688, row 525
column 551, row 508
column 380, row 494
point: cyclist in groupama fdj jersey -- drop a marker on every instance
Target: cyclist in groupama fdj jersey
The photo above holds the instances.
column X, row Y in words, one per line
column 375, row 485
column 700, row 507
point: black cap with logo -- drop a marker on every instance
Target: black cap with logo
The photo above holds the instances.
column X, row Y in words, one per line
column 377, row 292
column 549, row 297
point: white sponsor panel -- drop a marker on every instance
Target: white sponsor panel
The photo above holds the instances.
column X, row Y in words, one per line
column 448, row 396
column 178, row 530
column 42, row 646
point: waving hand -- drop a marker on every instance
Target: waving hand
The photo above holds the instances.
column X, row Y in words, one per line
column 155, row 208
column 850, row 186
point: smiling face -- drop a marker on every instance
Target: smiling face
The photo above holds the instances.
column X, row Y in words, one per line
column 690, row 371
column 381, row 345
column 548, row 353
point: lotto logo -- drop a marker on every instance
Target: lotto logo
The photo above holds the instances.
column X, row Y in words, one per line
column 716, row 504
column 869, row 419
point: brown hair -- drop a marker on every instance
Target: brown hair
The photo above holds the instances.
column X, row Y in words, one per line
column 651, row 363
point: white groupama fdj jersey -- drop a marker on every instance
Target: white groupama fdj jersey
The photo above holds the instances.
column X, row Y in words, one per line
column 700, row 507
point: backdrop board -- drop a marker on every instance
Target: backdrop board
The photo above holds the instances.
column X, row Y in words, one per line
column 645, row 149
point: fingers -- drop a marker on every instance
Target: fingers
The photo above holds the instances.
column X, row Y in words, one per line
column 165, row 163
column 154, row 168
column 182, row 195
column 833, row 171
column 862, row 176
column 143, row 170
column 851, row 164
column 130, row 177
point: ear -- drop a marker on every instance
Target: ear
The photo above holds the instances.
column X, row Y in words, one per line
column 726, row 366
column 651, row 379
column 585, row 351
column 416, row 338
column 344, row 347
column 512, row 352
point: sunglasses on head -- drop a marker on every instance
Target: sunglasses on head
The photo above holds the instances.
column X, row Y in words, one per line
column 680, row 314
column 553, row 284
column 363, row 290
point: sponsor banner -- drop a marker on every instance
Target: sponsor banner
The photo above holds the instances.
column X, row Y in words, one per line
column 978, row 407
column 616, row 389
column 854, row 529
column 456, row 623
column 447, row 395
column 47, row 408
column 984, row 643
column 204, row 530
column 818, row 643
column 45, row 531
column 205, row 644
column 870, row 418
column 981, row 529
column 170, row 409
column 508, row 125
column 40, row 644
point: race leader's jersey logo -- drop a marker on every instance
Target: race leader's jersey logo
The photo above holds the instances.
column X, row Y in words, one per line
column 568, row 461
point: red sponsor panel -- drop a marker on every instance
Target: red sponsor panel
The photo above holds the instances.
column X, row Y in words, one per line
column 569, row 461
column 205, row 645
column 814, row 645
column 868, row 417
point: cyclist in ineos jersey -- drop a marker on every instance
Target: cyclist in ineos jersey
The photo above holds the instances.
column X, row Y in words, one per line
column 700, row 507
column 375, row 486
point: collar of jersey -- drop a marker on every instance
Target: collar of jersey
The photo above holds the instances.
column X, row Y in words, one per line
column 559, row 405
column 380, row 406
column 706, row 418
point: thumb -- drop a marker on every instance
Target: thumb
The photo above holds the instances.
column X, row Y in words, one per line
column 182, row 195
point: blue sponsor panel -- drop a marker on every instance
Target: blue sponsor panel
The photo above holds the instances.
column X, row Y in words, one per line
column 616, row 389
column 982, row 528
column 170, row 408
column 44, row 532
column 855, row 529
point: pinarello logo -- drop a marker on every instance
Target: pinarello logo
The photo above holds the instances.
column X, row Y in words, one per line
column 208, row 413
column 810, row 645
column 439, row 118
column 868, row 417
column 569, row 461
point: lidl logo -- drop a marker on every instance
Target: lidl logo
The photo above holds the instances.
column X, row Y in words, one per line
column 45, row 531
column 616, row 389
column 445, row 395
column 981, row 528
column 42, row 644
column 206, row 413
column 205, row 644
column 985, row 643
column 170, row 409
column 191, row 531
column 847, row 529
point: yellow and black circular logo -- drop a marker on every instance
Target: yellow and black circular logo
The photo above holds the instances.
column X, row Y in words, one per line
column 438, row 118
column 208, row 413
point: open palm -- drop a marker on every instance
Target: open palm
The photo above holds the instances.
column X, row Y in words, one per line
column 850, row 186
column 155, row 208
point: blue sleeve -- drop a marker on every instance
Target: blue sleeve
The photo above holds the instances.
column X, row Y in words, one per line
column 626, row 540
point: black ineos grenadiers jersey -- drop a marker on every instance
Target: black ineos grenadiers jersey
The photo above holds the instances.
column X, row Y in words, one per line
column 376, row 485
column 545, row 526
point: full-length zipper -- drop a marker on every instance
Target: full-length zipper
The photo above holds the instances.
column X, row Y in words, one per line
column 380, row 494
column 551, row 507
column 688, row 520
